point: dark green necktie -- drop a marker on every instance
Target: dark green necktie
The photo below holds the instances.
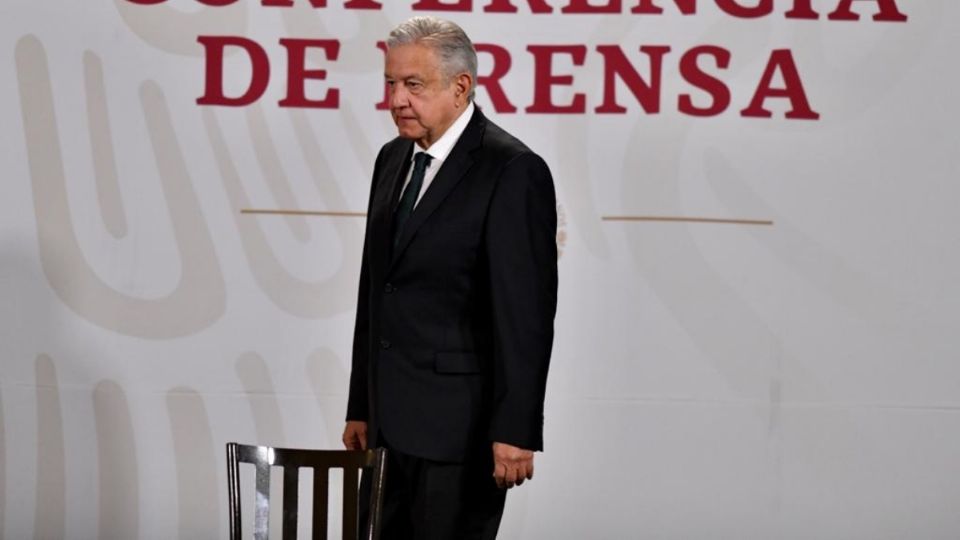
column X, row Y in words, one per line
column 421, row 160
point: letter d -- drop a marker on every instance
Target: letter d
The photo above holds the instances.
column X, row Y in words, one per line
column 259, row 77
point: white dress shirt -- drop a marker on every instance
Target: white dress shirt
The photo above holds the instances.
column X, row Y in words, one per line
column 439, row 150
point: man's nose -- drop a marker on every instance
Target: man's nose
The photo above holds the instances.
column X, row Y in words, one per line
column 398, row 96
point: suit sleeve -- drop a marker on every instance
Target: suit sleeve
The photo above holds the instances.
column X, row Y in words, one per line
column 357, row 401
column 522, row 265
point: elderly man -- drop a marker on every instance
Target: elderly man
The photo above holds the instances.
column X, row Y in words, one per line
column 458, row 290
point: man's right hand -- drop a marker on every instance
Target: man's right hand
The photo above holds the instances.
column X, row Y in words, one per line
column 355, row 435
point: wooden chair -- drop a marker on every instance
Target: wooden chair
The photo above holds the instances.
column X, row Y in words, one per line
column 321, row 461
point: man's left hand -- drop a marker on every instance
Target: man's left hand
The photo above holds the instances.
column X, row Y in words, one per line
column 511, row 465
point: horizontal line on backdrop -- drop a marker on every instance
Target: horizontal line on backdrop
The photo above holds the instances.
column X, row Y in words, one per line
column 675, row 219
column 139, row 389
column 301, row 212
column 682, row 219
column 795, row 404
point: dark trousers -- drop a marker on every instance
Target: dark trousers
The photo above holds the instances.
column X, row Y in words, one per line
column 430, row 500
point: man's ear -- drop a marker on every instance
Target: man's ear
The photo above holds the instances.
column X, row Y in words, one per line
column 463, row 83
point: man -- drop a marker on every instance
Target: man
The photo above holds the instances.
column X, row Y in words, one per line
column 458, row 290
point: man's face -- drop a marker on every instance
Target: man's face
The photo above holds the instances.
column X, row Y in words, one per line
column 423, row 102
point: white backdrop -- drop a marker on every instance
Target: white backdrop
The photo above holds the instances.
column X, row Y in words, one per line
column 710, row 380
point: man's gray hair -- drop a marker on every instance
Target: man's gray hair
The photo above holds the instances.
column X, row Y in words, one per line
column 448, row 40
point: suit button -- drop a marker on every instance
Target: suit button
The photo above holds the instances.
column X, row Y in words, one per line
column 389, row 288
column 385, row 344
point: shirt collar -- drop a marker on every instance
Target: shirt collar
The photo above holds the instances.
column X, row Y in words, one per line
column 442, row 147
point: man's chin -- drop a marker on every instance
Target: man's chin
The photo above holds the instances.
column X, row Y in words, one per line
column 410, row 134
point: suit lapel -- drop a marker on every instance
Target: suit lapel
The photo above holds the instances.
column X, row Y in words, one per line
column 393, row 172
column 453, row 170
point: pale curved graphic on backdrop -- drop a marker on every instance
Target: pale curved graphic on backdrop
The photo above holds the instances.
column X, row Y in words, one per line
column 101, row 141
column 198, row 499
column 271, row 168
column 51, row 504
column 171, row 30
column 255, row 377
column 200, row 296
column 330, row 383
column 321, row 172
column 301, row 298
column 117, row 463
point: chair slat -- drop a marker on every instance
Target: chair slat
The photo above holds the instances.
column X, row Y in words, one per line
column 321, row 490
column 261, row 512
column 349, row 504
column 291, row 494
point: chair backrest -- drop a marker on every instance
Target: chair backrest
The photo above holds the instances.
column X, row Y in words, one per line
column 321, row 461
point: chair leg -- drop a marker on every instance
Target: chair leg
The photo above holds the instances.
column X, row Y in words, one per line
column 233, row 490
column 376, row 494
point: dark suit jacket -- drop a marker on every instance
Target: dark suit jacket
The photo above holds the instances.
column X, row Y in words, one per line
column 455, row 325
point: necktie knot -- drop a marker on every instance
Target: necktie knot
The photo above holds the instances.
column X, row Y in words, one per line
column 421, row 160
